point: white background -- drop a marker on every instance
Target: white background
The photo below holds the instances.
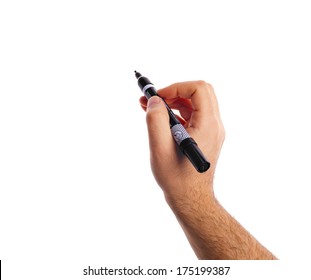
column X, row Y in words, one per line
column 75, row 183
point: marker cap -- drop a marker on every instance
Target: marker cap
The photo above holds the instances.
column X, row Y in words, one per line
column 190, row 148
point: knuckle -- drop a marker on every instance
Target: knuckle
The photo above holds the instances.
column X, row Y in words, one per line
column 201, row 84
column 217, row 130
column 222, row 133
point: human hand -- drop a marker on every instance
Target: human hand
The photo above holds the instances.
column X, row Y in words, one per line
column 212, row 232
column 199, row 113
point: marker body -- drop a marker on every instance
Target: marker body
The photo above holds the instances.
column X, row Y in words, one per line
column 187, row 145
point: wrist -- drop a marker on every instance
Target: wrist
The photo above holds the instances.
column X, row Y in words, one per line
column 188, row 199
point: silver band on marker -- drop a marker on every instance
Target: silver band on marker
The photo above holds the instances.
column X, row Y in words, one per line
column 146, row 87
column 179, row 133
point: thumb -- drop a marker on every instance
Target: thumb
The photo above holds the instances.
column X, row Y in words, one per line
column 160, row 138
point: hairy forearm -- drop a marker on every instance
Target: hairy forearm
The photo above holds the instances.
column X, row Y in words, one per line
column 212, row 232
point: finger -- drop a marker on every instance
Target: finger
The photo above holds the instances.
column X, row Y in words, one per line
column 181, row 105
column 144, row 108
column 181, row 120
column 160, row 138
column 184, row 106
column 143, row 101
column 202, row 96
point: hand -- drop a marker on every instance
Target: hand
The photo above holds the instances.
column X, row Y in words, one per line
column 199, row 113
column 212, row 232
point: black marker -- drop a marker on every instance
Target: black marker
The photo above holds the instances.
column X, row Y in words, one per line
column 187, row 145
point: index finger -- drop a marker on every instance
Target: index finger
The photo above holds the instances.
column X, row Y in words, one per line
column 202, row 96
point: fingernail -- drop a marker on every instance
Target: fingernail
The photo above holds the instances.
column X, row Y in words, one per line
column 153, row 101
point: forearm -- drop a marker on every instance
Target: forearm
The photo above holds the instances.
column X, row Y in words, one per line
column 212, row 232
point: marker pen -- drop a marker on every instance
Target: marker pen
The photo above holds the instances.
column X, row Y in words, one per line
column 187, row 145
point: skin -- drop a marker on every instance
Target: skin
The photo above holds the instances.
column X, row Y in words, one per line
column 212, row 232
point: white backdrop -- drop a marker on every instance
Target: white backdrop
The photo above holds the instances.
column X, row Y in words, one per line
column 75, row 183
